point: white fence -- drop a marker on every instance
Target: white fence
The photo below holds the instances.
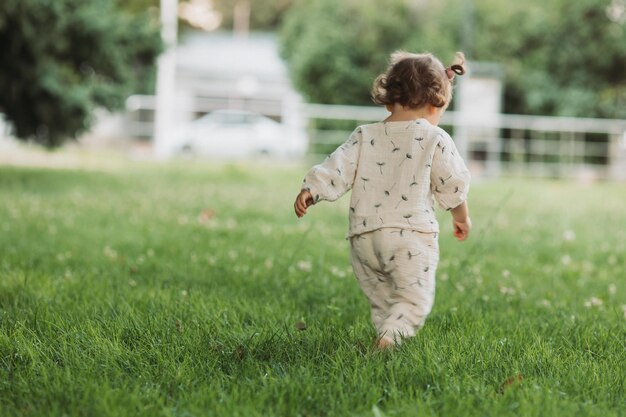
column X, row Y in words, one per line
column 508, row 144
column 511, row 144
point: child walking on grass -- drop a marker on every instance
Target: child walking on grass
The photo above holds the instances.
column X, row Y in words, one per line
column 396, row 170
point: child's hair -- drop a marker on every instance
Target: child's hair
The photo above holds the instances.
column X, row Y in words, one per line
column 414, row 80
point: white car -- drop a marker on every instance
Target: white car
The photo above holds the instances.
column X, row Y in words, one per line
column 237, row 133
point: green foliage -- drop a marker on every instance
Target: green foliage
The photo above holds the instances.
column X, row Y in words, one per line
column 121, row 297
column 435, row 27
column 559, row 57
column 335, row 48
column 140, row 6
column 63, row 58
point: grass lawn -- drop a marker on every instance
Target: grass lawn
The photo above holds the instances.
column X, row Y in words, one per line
column 193, row 290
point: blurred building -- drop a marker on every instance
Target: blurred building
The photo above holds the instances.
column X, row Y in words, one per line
column 219, row 70
column 235, row 71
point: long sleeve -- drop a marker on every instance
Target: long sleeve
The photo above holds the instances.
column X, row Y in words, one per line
column 449, row 177
column 334, row 177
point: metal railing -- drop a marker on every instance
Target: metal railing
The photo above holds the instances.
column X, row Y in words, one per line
column 507, row 144
column 503, row 144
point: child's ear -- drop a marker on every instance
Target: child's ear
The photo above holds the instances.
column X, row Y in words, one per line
column 432, row 110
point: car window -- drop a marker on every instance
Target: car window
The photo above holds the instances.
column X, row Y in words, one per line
column 251, row 119
column 234, row 119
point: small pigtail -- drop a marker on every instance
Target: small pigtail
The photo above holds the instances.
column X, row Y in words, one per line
column 457, row 67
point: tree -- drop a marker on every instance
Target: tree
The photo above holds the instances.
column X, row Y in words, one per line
column 334, row 49
column 61, row 59
column 560, row 57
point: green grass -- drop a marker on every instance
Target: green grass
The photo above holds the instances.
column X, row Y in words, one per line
column 178, row 290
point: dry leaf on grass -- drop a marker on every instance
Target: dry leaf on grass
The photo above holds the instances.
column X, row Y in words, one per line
column 510, row 382
column 206, row 215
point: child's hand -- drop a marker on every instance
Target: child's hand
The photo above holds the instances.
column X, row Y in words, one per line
column 303, row 201
column 462, row 228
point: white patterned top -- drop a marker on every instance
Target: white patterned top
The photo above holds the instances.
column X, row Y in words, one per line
column 396, row 171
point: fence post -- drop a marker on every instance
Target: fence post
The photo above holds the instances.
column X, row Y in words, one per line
column 477, row 120
column 166, row 81
column 617, row 157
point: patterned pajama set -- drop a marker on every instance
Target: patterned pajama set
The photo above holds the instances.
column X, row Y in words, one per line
column 396, row 171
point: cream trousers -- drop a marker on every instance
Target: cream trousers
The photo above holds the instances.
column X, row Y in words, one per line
column 396, row 271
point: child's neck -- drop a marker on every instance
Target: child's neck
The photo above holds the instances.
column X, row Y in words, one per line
column 402, row 114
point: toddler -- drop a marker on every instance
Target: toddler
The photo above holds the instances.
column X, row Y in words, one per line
column 396, row 169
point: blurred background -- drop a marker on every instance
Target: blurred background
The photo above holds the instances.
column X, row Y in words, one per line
column 289, row 79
